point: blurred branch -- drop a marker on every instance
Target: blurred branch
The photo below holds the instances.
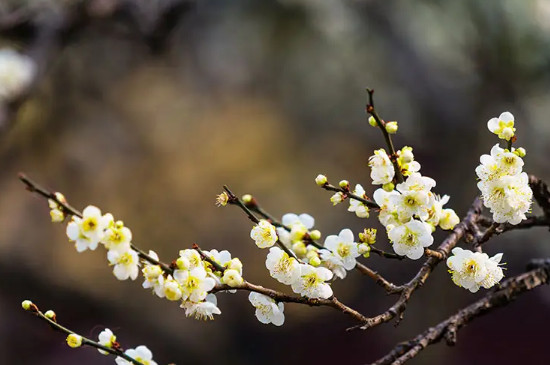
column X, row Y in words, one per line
column 48, row 30
column 508, row 291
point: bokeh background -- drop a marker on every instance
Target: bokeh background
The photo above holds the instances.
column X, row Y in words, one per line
column 146, row 110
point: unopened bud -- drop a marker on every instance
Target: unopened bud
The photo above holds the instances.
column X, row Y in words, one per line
column 50, row 315
column 299, row 248
column 315, row 261
column 321, row 180
column 27, row 305
column 247, row 198
column 388, row 187
column 520, row 152
column 372, row 121
column 391, row 127
column 344, row 184
column 315, row 234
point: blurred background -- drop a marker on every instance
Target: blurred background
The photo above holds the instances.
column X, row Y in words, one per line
column 146, row 108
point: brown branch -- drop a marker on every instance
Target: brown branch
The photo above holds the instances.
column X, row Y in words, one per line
column 347, row 194
column 332, row 302
column 420, row 278
column 379, row 279
column 508, row 291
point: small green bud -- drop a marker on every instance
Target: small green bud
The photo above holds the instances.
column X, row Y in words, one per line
column 391, row 127
column 372, row 121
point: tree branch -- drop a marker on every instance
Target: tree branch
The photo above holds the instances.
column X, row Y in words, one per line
column 508, row 291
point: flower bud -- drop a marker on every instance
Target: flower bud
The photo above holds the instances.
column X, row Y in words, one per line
column 27, row 305
column 344, row 184
column 315, row 234
column 299, row 248
column 520, row 152
column 60, row 198
column 315, row 261
column 321, row 180
column 388, row 187
column 74, row 340
column 406, row 154
column 391, row 127
column 372, row 121
column 363, row 249
column 247, row 198
column 50, row 315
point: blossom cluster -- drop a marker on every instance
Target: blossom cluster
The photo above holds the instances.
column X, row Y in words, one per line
column 410, row 211
column 504, row 187
column 472, row 270
column 309, row 266
column 189, row 281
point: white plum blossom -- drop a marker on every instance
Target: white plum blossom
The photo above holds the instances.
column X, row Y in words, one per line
column 153, row 275
column 509, row 198
column 117, row 237
column 107, row 339
column 410, row 238
column 503, row 126
column 504, row 187
column 311, row 282
column 448, row 219
column 388, row 212
column 382, row 170
column 282, row 267
column 337, row 198
column 202, row 310
column 343, row 247
column 359, row 208
column 195, row 283
column 171, row 288
column 405, row 160
column 88, row 231
column 298, row 225
column 264, row 234
column 189, row 259
column 140, row 353
column 334, row 263
column 232, row 278
column 16, row 73
column 472, row 270
column 125, row 263
column 267, row 310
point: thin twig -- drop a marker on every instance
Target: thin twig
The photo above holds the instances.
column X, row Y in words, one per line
column 85, row 341
column 393, row 156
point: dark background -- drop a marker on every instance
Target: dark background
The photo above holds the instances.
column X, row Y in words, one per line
column 148, row 121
